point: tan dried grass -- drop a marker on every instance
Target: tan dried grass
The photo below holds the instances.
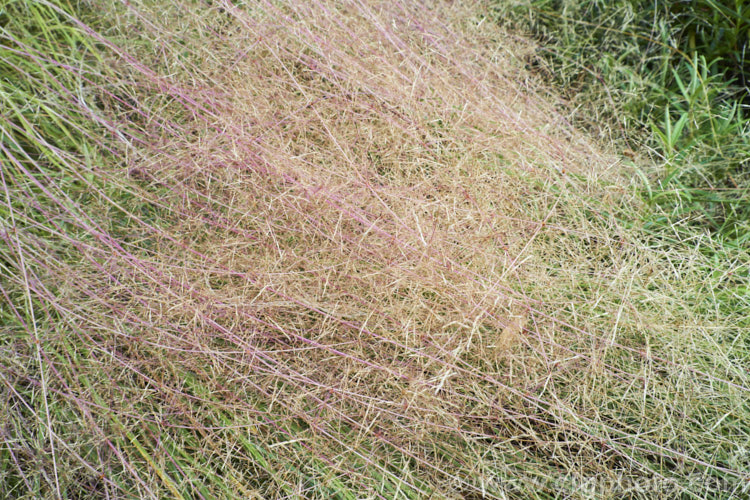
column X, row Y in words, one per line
column 379, row 252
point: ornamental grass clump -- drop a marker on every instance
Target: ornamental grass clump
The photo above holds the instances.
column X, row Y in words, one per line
column 333, row 250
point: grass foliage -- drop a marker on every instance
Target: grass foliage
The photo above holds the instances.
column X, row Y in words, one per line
column 345, row 250
column 666, row 76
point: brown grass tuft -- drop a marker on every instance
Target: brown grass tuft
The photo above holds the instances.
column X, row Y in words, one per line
column 355, row 251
